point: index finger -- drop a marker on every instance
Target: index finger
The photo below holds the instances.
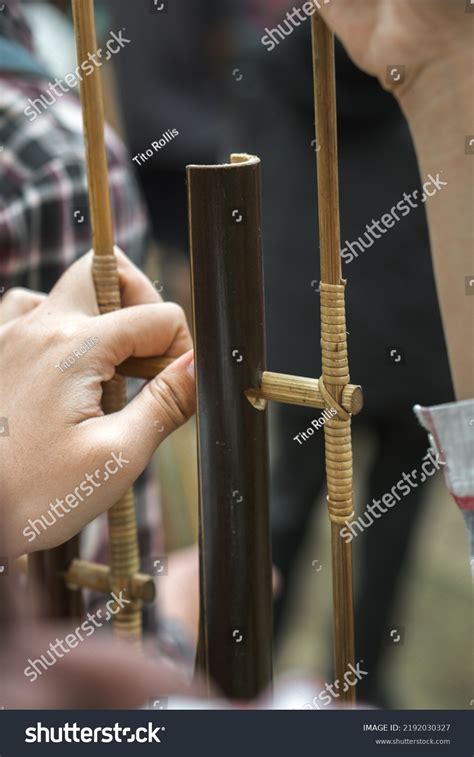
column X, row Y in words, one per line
column 75, row 290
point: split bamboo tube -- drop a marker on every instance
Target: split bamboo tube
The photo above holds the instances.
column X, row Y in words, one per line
column 235, row 640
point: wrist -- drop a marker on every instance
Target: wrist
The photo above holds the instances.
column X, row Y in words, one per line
column 440, row 90
column 439, row 107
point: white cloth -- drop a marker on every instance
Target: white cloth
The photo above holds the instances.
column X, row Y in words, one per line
column 451, row 427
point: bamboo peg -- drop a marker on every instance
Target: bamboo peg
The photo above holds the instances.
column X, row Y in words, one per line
column 87, row 575
column 81, row 574
column 144, row 367
column 296, row 390
column 279, row 387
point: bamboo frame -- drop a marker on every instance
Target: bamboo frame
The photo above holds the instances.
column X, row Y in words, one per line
column 60, row 570
column 334, row 346
column 123, row 542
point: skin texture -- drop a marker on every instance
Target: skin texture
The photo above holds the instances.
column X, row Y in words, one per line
column 55, row 414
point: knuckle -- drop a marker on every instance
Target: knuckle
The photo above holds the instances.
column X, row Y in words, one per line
column 62, row 334
column 18, row 301
column 176, row 312
column 180, row 325
column 15, row 298
column 65, row 335
column 13, row 295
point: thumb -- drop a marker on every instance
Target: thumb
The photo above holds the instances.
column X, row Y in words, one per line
column 163, row 405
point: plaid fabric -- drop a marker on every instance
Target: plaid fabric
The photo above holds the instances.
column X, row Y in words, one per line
column 44, row 226
column 13, row 25
column 44, row 217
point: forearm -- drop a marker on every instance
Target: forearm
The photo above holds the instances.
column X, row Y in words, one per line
column 440, row 110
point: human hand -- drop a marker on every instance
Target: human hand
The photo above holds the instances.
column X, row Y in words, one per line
column 383, row 35
column 90, row 673
column 59, row 446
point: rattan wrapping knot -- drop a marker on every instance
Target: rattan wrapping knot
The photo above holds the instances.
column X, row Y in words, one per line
column 331, row 402
column 104, row 271
column 123, row 543
column 337, row 430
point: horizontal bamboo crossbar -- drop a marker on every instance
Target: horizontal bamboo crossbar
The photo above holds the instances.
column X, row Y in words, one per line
column 144, row 367
column 278, row 387
column 297, row 390
column 87, row 575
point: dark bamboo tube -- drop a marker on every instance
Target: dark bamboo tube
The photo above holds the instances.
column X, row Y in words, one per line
column 94, row 130
column 57, row 600
column 235, row 640
column 338, row 464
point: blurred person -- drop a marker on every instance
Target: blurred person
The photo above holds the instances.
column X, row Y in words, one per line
column 172, row 86
column 396, row 342
column 53, row 36
column 99, row 673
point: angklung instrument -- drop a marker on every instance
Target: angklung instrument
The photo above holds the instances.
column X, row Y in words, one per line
column 233, row 388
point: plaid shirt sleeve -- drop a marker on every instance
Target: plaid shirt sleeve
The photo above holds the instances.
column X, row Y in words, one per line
column 44, row 217
column 45, row 226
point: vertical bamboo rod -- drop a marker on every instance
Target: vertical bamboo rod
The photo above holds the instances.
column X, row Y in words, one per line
column 94, row 133
column 327, row 156
column 329, row 231
column 123, row 544
column 235, row 642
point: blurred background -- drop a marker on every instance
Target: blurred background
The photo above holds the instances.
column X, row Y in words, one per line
column 201, row 68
